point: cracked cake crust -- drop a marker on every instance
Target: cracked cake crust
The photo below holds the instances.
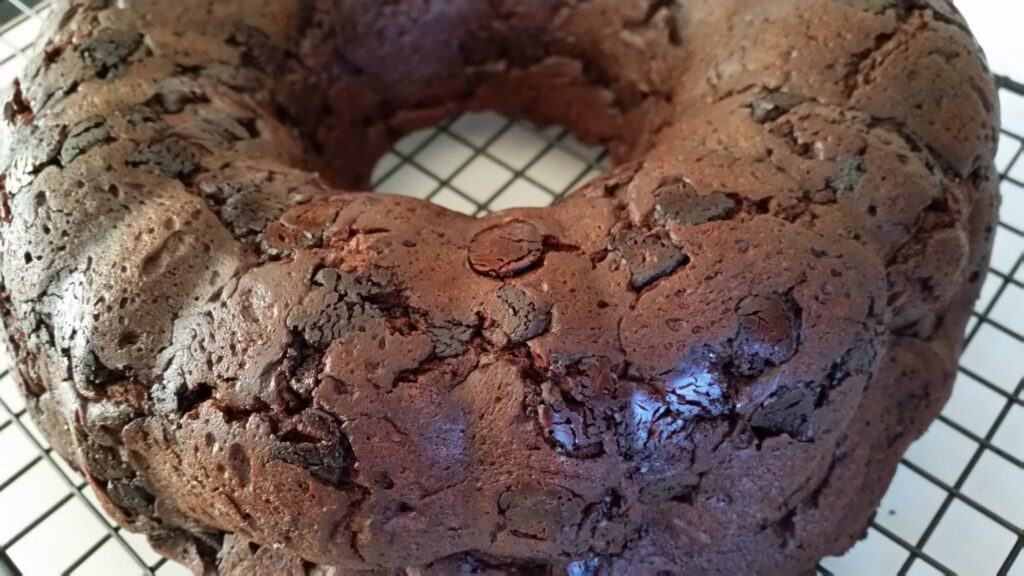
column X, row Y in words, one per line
column 708, row 361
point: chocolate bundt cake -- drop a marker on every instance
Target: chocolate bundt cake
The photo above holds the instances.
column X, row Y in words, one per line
column 708, row 361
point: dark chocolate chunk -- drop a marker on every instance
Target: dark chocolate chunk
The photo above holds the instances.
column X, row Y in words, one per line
column 506, row 250
column 314, row 441
column 174, row 156
column 680, row 203
column 519, row 317
column 451, row 338
column 83, row 137
column 786, row 411
column 139, row 115
column 108, row 48
column 768, row 335
column 42, row 150
column 649, row 257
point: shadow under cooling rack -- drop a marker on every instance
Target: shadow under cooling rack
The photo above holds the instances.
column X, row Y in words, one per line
column 953, row 507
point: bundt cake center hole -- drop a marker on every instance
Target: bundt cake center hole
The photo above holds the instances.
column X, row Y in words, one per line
column 483, row 162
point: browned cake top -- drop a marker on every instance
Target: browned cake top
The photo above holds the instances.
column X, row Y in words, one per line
column 707, row 361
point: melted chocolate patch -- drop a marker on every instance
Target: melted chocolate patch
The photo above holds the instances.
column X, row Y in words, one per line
column 506, row 250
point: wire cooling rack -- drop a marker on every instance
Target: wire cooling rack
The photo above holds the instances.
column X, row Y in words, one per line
column 956, row 505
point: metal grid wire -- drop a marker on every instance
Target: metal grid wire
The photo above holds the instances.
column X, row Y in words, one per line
column 955, row 506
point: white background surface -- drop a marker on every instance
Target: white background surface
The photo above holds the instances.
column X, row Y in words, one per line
column 470, row 165
column 998, row 25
